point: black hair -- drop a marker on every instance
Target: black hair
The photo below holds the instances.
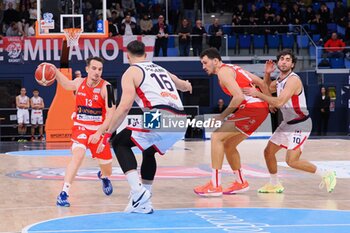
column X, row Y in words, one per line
column 136, row 48
column 35, row 90
column 289, row 52
column 211, row 53
column 88, row 61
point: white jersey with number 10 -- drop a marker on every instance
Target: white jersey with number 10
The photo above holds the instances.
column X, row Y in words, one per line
column 157, row 89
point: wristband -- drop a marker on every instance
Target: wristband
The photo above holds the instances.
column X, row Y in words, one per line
column 106, row 138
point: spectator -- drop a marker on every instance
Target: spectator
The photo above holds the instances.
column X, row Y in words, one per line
column 339, row 14
column 323, row 104
column 198, row 32
column 184, row 38
column 142, row 7
column 119, row 14
column 146, row 25
column 112, row 28
column 129, row 7
column 295, row 15
column 33, row 11
column 13, row 30
column 252, row 22
column 23, row 17
column 77, row 74
column 10, row 15
column 128, row 28
column 12, row 2
column 31, row 28
column 324, row 13
column 267, row 10
column 89, row 24
column 220, row 107
column 238, row 18
column 279, row 21
column 215, row 34
column 284, row 13
column 254, row 13
column 309, row 16
column 334, row 46
column 321, row 26
column 161, row 30
column 266, row 21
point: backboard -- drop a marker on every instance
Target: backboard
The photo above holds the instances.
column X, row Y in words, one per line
column 53, row 16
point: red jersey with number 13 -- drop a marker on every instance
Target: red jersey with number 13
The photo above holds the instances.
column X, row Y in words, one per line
column 90, row 106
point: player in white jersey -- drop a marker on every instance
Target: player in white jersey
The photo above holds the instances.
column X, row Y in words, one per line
column 22, row 104
column 153, row 88
column 296, row 126
column 37, row 105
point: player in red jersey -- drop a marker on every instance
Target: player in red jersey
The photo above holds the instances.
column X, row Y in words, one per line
column 91, row 119
column 247, row 115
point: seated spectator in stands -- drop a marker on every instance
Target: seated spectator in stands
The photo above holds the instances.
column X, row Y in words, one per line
column 324, row 13
column 184, row 38
column 252, row 22
column 118, row 14
column 321, row 26
column 254, row 13
column 279, row 30
column 215, row 34
column 23, row 22
column 146, row 25
column 33, row 11
column 129, row 7
column 284, row 13
column 161, row 30
column 132, row 18
column 238, row 19
column 309, row 16
column 128, row 28
column 13, row 30
column 31, row 28
column 267, row 10
column 142, row 7
column 13, row 4
column 220, row 107
column 112, row 28
column 339, row 14
column 295, row 15
column 334, row 46
column 89, row 24
column 10, row 15
column 198, row 32
column 266, row 21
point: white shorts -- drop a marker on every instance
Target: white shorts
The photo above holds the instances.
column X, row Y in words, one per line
column 22, row 116
column 161, row 141
column 37, row 118
column 292, row 136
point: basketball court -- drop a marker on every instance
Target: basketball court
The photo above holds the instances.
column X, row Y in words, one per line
column 32, row 175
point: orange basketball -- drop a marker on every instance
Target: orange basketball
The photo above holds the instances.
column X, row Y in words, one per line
column 45, row 74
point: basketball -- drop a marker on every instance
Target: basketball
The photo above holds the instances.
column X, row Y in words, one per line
column 45, row 74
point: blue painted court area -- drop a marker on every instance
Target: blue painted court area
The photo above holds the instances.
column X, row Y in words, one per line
column 216, row 220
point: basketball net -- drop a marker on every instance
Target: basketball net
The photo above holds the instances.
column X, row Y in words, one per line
column 72, row 36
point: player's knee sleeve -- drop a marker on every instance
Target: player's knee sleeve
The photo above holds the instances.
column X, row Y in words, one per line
column 149, row 164
column 122, row 145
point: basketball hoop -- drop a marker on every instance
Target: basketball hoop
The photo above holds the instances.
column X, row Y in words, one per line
column 72, row 36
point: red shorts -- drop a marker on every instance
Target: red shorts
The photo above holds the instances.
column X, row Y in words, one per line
column 250, row 116
column 80, row 134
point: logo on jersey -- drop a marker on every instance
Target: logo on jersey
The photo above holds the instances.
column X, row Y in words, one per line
column 82, row 136
column 151, row 120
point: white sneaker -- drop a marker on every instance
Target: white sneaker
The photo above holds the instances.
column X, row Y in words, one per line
column 137, row 199
column 145, row 208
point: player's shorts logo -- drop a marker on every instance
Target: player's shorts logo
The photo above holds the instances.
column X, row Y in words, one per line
column 151, row 120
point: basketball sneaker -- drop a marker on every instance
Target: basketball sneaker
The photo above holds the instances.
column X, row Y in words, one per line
column 106, row 184
column 330, row 180
column 62, row 200
column 236, row 187
column 145, row 208
column 270, row 188
column 208, row 190
column 137, row 200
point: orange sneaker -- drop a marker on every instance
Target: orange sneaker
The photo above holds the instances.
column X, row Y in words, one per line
column 208, row 190
column 236, row 187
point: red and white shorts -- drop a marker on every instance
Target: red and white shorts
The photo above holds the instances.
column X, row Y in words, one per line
column 250, row 116
column 80, row 135
column 292, row 136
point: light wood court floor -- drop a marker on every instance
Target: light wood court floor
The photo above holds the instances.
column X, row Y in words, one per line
column 29, row 184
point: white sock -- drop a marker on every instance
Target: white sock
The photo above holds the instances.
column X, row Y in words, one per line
column 134, row 181
column 66, row 187
column 239, row 176
column 148, row 187
column 216, row 177
column 274, row 179
column 320, row 171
